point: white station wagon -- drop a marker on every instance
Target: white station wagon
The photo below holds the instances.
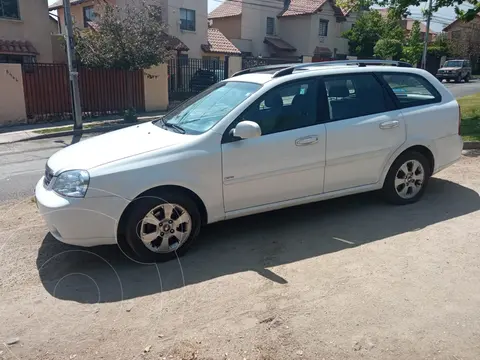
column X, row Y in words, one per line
column 264, row 139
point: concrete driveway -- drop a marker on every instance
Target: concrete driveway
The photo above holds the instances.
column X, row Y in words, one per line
column 351, row 278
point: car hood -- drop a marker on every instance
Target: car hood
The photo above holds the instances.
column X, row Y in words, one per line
column 113, row 146
column 450, row 68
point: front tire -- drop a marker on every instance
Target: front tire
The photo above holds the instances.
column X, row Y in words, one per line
column 162, row 226
column 407, row 179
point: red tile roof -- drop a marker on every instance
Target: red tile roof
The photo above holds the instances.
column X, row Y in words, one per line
column 218, row 43
column 306, row 7
column 303, row 7
column 321, row 50
column 406, row 23
column 226, row 9
column 279, row 43
column 15, row 47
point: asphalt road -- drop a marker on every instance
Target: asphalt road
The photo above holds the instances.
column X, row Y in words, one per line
column 463, row 89
column 22, row 164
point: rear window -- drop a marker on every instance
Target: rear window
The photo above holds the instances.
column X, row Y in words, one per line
column 411, row 89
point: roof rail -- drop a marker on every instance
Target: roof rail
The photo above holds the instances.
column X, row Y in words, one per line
column 263, row 68
column 360, row 63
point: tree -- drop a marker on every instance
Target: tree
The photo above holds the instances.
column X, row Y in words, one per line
column 388, row 48
column 369, row 29
column 132, row 37
column 364, row 35
column 413, row 49
column 400, row 7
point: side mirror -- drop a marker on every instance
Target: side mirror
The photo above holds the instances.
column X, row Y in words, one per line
column 247, row 130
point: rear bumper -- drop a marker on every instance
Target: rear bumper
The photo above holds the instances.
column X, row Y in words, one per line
column 448, row 151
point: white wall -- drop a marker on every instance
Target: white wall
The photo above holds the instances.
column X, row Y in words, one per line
column 335, row 29
column 193, row 39
column 296, row 30
column 254, row 23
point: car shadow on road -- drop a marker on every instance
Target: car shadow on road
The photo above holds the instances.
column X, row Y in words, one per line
column 255, row 243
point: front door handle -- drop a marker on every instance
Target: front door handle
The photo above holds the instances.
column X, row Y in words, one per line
column 389, row 124
column 306, row 140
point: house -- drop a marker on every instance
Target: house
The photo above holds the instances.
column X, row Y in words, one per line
column 285, row 28
column 465, row 40
column 24, row 31
column 407, row 24
column 187, row 22
column 459, row 29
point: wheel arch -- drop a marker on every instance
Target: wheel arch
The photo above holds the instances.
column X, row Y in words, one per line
column 422, row 149
column 152, row 192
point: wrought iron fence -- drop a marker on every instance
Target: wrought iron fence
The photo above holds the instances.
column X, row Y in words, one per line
column 249, row 62
column 188, row 77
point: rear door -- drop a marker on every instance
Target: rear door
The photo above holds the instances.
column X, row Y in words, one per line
column 364, row 129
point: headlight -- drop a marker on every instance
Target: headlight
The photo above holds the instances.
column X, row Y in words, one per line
column 73, row 183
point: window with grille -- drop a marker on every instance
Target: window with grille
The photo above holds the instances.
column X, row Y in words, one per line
column 270, row 26
column 323, row 29
column 9, row 9
column 187, row 19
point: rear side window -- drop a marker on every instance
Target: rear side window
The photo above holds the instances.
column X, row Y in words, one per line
column 354, row 95
column 411, row 89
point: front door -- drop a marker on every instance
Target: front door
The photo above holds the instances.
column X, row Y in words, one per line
column 364, row 130
column 287, row 161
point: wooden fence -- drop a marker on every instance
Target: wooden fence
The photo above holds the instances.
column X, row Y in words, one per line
column 102, row 91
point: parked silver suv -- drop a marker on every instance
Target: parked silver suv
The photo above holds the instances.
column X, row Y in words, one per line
column 457, row 70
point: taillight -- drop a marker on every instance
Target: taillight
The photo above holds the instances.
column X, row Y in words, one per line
column 459, row 119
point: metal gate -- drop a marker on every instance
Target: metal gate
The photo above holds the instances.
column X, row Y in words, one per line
column 102, row 91
column 249, row 62
column 188, row 77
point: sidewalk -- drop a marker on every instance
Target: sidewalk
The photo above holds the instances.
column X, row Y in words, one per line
column 10, row 134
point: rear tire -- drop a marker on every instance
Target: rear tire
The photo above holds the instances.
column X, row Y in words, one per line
column 407, row 179
column 162, row 226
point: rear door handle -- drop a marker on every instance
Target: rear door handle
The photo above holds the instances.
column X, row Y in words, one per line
column 389, row 124
column 306, row 140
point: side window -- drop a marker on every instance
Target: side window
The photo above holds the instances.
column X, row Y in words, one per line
column 285, row 107
column 411, row 89
column 355, row 95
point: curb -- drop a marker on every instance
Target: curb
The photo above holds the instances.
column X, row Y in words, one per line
column 471, row 145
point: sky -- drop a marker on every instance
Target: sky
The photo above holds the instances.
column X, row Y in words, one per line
column 441, row 19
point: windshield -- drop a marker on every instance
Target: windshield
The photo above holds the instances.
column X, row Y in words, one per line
column 203, row 111
column 453, row 63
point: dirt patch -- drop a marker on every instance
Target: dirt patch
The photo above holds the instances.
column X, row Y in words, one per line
column 351, row 278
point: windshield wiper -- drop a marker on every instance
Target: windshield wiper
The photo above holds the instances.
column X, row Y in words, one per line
column 179, row 129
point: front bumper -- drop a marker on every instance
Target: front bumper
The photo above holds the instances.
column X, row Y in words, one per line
column 447, row 76
column 83, row 222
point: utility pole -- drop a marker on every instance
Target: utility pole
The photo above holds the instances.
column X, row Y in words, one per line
column 425, row 39
column 72, row 68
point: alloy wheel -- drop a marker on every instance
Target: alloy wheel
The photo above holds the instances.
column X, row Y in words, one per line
column 409, row 179
column 165, row 228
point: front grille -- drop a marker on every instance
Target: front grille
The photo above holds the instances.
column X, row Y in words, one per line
column 48, row 176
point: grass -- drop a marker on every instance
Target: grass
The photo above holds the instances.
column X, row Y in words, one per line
column 470, row 126
column 67, row 128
